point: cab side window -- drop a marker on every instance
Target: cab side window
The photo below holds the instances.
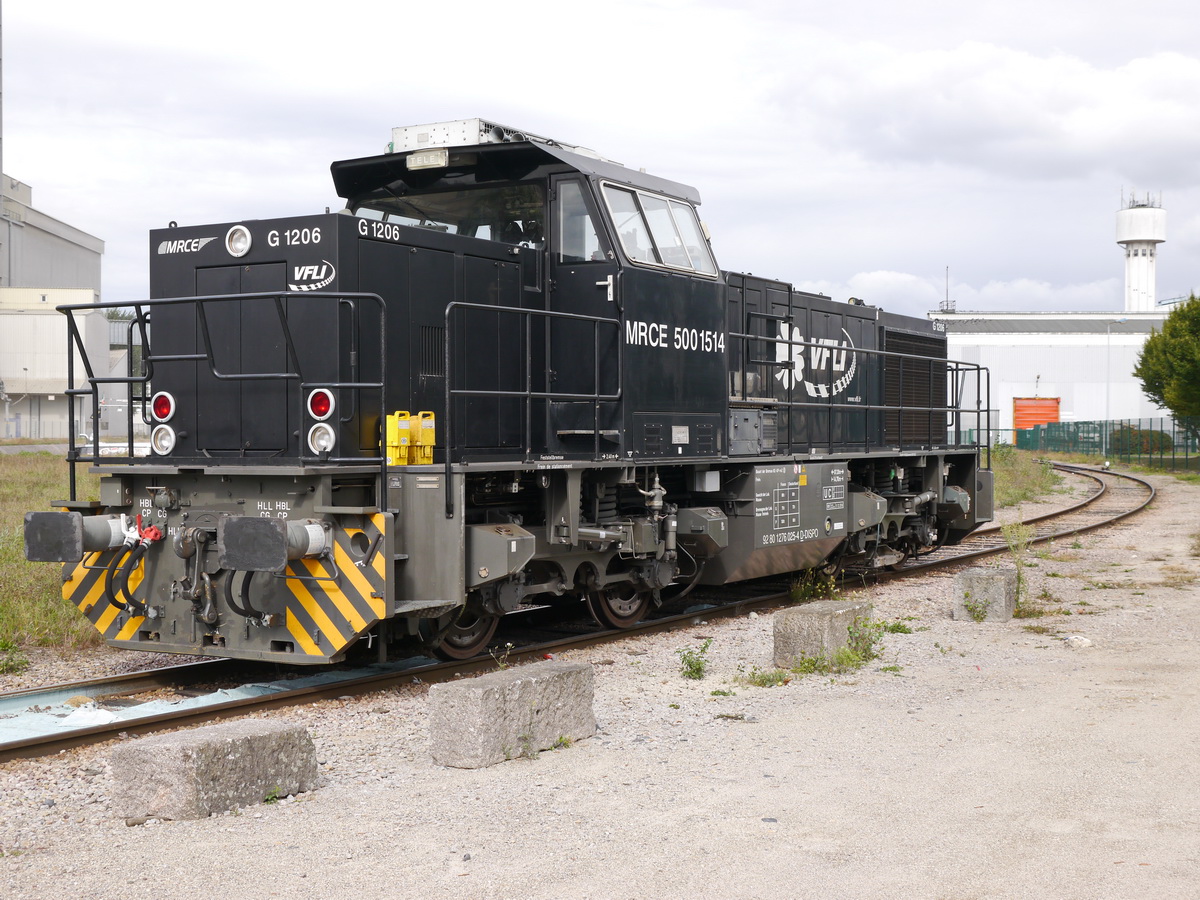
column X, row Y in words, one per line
column 659, row 231
column 631, row 227
column 577, row 239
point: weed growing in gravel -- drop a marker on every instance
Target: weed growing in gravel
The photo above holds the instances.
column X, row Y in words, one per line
column 12, row 660
column 865, row 635
column 1177, row 577
column 976, row 607
column 1065, row 557
column 895, row 670
column 843, row 660
column 757, row 677
column 527, row 749
column 1040, row 629
column 862, row 647
column 502, row 660
column 1036, row 609
column 562, row 743
column 274, row 795
column 692, row 663
column 814, row 584
column 897, row 628
column 1018, row 537
column 721, row 692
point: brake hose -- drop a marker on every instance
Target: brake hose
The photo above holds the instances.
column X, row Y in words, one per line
column 109, row 571
column 245, row 610
column 116, row 583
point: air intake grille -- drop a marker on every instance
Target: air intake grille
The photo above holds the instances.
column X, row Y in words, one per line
column 919, row 383
column 433, row 356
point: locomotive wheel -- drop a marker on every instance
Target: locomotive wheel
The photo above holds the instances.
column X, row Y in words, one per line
column 468, row 635
column 619, row 605
column 896, row 567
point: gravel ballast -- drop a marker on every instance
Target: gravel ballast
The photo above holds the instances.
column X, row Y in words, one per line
column 969, row 760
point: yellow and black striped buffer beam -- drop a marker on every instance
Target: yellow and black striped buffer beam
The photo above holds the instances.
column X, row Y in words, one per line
column 83, row 585
column 334, row 599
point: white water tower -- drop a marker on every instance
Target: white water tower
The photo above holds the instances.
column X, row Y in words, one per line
column 1141, row 226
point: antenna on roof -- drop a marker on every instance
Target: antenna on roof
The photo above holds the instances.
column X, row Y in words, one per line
column 948, row 304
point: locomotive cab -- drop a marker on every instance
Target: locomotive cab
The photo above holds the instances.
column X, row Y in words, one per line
column 621, row 354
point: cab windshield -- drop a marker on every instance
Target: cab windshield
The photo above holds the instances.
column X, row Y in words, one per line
column 512, row 214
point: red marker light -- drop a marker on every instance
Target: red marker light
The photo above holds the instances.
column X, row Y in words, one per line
column 162, row 406
column 320, row 404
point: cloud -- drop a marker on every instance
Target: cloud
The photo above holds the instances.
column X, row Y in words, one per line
column 1005, row 111
column 879, row 138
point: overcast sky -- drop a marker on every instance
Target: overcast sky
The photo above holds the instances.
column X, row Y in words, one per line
column 857, row 148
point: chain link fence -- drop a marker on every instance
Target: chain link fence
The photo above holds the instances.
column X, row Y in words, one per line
column 1162, row 443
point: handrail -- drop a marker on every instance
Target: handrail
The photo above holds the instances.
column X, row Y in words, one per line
column 293, row 371
column 528, row 394
column 953, row 368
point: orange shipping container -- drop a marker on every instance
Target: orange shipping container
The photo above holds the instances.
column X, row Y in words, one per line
column 1030, row 411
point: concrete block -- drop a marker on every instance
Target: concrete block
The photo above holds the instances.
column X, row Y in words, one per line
column 193, row 774
column 516, row 712
column 817, row 629
column 985, row 595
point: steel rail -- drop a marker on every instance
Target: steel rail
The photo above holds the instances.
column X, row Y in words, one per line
column 963, row 552
column 444, row 671
column 138, row 682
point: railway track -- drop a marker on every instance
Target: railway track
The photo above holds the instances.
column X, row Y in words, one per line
column 1115, row 496
column 114, row 709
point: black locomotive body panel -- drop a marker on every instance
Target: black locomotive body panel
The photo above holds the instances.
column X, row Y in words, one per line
column 508, row 373
column 675, row 367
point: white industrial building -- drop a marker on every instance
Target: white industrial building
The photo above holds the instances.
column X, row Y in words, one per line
column 1079, row 365
column 44, row 263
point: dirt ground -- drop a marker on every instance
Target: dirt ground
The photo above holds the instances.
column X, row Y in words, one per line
column 968, row 761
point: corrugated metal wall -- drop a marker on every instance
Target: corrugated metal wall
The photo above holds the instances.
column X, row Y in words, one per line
column 1030, row 411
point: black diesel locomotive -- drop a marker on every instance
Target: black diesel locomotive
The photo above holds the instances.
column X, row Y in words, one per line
column 508, row 372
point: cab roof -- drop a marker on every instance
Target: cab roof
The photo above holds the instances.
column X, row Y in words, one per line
column 489, row 163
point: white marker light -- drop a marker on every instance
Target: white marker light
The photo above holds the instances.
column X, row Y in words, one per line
column 162, row 439
column 237, row 240
column 321, row 438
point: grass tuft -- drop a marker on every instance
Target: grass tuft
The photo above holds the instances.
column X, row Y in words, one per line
column 694, row 663
column 32, row 610
column 1021, row 476
column 814, row 584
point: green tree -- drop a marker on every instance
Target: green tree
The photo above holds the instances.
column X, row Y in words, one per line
column 1169, row 364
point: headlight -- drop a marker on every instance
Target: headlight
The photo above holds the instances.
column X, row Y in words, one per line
column 162, row 439
column 321, row 438
column 237, row 240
